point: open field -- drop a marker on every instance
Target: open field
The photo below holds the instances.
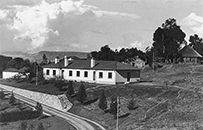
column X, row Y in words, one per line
column 172, row 101
column 49, row 123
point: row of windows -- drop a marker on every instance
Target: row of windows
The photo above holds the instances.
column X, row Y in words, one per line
column 78, row 74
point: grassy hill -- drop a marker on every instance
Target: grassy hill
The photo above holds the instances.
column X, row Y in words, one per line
column 185, row 75
column 38, row 56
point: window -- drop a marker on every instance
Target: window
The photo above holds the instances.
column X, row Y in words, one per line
column 70, row 73
column 110, row 75
column 54, row 72
column 78, row 73
column 47, row 73
column 100, row 75
column 85, row 74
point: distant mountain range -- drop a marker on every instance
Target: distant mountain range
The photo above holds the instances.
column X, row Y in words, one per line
column 38, row 55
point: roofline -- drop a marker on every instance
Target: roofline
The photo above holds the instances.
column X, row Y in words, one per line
column 93, row 68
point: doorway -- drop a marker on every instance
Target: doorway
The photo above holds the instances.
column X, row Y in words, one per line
column 128, row 76
column 94, row 75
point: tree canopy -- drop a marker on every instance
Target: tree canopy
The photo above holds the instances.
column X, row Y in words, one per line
column 167, row 39
column 106, row 53
column 197, row 43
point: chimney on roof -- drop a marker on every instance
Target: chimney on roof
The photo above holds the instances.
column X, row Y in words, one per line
column 56, row 60
column 92, row 62
column 65, row 61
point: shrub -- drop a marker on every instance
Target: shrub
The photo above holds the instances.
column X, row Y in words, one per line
column 2, row 94
column 131, row 105
column 70, row 90
column 23, row 126
column 102, row 101
column 88, row 102
column 18, row 115
column 81, row 95
column 39, row 108
column 12, row 99
column 59, row 84
column 113, row 107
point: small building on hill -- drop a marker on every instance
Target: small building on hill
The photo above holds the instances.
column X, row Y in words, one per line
column 93, row 71
column 11, row 72
column 136, row 62
column 189, row 55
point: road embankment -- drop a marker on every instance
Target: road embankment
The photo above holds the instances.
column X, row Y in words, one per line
column 47, row 99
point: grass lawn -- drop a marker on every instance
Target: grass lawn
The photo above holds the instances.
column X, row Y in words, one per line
column 49, row 123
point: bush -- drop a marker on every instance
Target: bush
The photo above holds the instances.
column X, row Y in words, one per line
column 70, row 90
column 131, row 105
column 88, row 102
column 2, row 94
column 81, row 95
column 60, row 84
column 102, row 101
column 39, row 108
column 12, row 99
column 18, row 115
column 113, row 107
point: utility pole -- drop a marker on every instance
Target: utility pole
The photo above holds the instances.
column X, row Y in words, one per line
column 117, row 113
column 36, row 73
column 153, row 60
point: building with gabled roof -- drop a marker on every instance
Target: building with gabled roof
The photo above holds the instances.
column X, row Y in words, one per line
column 93, row 71
column 11, row 72
column 189, row 54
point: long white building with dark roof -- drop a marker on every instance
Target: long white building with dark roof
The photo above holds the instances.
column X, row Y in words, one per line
column 93, row 71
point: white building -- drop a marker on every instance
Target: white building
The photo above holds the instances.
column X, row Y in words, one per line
column 9, row 73
column 136, row 62
column 93, row 71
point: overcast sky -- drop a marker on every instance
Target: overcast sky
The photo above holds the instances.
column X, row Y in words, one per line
column 86, row 25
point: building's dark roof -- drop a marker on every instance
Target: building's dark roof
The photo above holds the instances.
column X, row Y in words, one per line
column 86, row 64
column 11, row 70
column 189, row 52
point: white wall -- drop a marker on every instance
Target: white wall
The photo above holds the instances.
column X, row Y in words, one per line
column 105, row 79
column 117, row 76
column 81, row 77
column 51, row 73
column 9, row 74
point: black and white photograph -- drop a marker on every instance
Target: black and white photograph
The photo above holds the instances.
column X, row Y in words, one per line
column 101, row 64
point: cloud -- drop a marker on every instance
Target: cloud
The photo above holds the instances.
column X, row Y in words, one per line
column 136, row 44
column 195, row 23
column 76, row 45
column 100, row 13
column 32, row 21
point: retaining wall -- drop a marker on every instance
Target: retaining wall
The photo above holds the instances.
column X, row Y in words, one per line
column 47, row 99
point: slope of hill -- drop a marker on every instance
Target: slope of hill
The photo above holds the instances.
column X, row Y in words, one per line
column 185, row 75
column 38, row 56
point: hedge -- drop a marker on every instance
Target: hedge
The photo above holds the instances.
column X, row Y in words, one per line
column 18, row 115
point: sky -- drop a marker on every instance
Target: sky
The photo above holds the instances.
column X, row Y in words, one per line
column 86, row 25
